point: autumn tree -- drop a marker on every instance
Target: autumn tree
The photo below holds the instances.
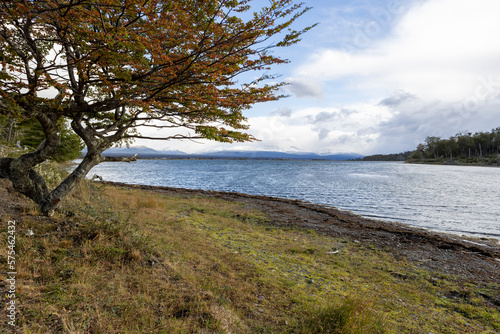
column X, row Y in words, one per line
column 114, row 67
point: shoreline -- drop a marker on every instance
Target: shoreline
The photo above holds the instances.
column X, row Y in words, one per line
column 453, row 255
column 478, row 238
column 169, row 256
column 451, row 164
column 405, row 198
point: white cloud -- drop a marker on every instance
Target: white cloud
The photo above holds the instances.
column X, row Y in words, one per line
column 284, row 112
column 434, row 71
column 304, row 87
column 322, row 129
column 437, row 50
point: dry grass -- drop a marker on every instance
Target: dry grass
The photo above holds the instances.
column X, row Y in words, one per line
column 130, row 261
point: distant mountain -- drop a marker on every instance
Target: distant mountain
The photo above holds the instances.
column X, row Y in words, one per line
column 141, row 151
column 281, row 155
column 144, row 152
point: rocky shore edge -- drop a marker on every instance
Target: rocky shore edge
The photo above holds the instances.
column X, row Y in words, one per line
column 475, row 261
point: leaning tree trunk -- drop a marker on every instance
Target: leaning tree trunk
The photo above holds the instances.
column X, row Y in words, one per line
column 28, row 182
column 52, row 200
column 25, row 179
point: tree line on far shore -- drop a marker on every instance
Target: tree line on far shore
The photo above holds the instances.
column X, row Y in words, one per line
column 463, row 148
column 403, row 156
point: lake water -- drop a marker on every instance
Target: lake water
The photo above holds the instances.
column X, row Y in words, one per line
column 452, row 199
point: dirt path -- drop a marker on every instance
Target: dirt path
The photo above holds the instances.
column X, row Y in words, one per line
column 451, row 255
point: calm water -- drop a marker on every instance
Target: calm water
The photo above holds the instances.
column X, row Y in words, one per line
column 459, row 200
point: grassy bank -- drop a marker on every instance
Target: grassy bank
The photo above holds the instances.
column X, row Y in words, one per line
column 131, row 261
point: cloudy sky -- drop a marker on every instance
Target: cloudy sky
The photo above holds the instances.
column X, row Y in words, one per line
column 379, row 76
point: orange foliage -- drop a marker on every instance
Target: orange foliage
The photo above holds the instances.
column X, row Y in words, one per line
column 121, row 64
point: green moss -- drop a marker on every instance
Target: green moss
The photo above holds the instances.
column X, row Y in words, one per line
column 139, row 262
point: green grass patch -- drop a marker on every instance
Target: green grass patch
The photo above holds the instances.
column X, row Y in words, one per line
column 131, row 261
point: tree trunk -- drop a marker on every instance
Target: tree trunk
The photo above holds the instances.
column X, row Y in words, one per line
column 9, row 131
column 32, row 185
column 24, row 179
column 20, row 171
column 52, row 200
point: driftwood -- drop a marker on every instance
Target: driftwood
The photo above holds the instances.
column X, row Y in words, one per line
column 120, row 159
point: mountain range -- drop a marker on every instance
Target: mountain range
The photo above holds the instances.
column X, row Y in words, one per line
column 149, row 153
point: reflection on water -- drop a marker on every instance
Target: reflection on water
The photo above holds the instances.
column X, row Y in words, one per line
column 460, row 200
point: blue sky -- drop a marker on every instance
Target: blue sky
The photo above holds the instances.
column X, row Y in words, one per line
column 379, row 77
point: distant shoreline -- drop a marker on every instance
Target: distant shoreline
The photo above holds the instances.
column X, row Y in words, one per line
column 229, row 158
column 452, row 163
column 147, row 153
column 220, row 158
column 435, row 163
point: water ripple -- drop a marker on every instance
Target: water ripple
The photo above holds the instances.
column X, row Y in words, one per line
column 454, row 199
